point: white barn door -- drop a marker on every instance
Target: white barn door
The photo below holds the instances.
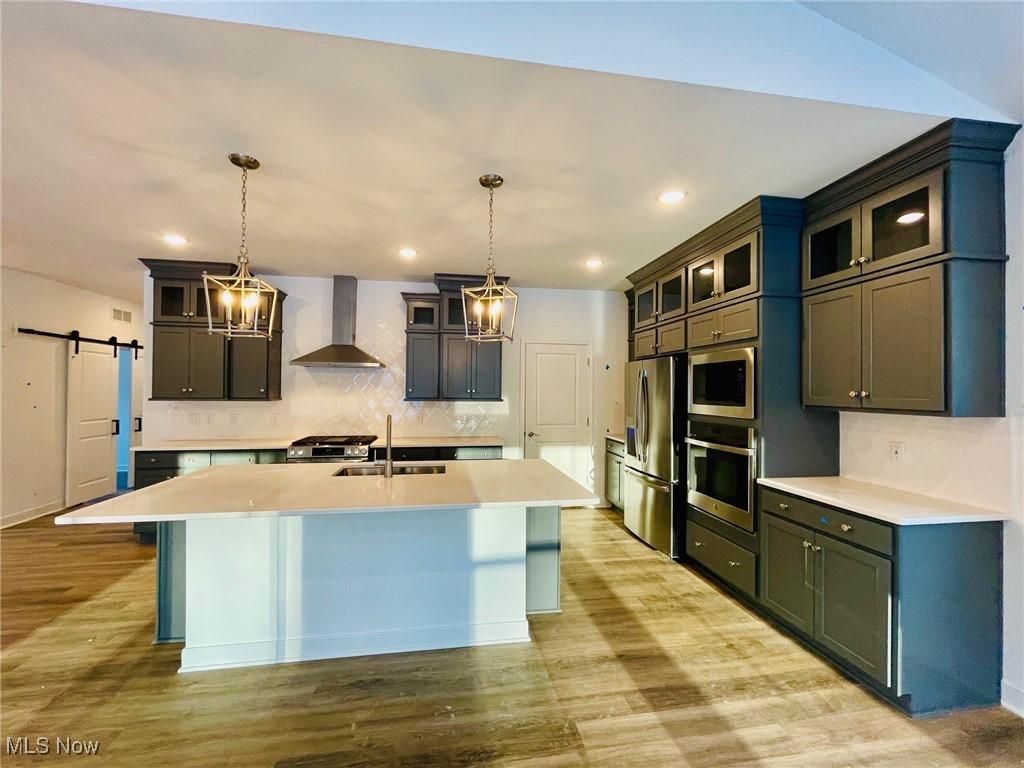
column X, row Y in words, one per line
column 92, row 411
column 557, row 408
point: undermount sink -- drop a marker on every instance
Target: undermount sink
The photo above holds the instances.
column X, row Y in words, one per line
column 361, row 470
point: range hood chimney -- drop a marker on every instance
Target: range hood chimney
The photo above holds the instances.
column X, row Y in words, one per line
column 343, row 352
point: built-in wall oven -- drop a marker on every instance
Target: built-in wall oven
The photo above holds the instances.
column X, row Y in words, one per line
column 722, row 467
column 722, row 383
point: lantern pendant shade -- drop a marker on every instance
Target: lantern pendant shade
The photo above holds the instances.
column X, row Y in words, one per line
column 489, row 310
column 247, row 301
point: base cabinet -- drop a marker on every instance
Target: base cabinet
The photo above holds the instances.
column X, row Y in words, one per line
column 884, row 602
column 613, row 458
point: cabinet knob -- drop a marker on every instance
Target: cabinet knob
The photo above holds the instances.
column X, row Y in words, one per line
column 846, row 528
column 862, row 260
column 262, row 389
column 184, row 389
column 252, row 459
column 698, row 543
column 864, row 394
column 853, row 393
column 190, row 389
column 806, row 544
column 184, row 314
column 733, row 563
column 853, row 262
column 816, row 548
column 410, row 389
column 783, row 506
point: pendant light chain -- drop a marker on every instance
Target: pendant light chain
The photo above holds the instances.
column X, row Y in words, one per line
column 490, row 232
column 243, row 251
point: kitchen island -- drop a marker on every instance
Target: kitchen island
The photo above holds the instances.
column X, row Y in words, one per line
column 290, row 562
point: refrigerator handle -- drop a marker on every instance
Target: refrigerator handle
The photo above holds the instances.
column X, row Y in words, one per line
column 636, row 409
column 646, row 407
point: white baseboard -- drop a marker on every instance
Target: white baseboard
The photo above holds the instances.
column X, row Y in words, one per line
column 30, row 514
column 226, row 656
column 1013, row 698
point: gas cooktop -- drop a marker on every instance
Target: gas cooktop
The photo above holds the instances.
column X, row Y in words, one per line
column 336, row 440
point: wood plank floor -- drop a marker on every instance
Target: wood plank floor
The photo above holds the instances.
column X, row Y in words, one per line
column 647, row 665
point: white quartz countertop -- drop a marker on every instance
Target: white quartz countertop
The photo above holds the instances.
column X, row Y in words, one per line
column 280, row 443
column 280, row 490
column 617, row 438
column 882, row 503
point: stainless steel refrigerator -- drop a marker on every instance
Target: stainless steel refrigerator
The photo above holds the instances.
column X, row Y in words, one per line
column 651, row 470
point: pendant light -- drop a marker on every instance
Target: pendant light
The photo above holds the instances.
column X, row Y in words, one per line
column 490, row 309
column 249, row 303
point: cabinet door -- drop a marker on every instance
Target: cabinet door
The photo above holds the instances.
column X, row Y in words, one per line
column 170, row 363
column 671, row 338
column 613, row 479
column 738, row 322
column 422, row 357
column 703, row 329
column 206, row 374
column 853, row 612
column 702, row 279
column 487, row 370
column 422, row 315
column 172, row 300
column 737, row 266
column 645, row 344
column 787, row 571
column 831, row 248
column 831, row 353
column 904, row 341
column 645, row 309
column 249, row 366
column 456, row 368
column 197, row 311
column 671, row 295
column 453, row 314
column 903, row 223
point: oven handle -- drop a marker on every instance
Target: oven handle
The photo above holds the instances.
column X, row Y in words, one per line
column 720, row 447
column 658, row 485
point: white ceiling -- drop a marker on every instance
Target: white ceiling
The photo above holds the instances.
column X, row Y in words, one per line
column 117, row 123
column 977, row 47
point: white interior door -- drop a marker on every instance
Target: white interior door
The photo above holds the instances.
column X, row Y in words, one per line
column 92, row 409
column 557, row 408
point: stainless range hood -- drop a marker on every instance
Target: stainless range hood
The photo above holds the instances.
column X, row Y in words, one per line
column 343, row 352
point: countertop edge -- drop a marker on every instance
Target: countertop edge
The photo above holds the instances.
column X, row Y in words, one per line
column 977, row 515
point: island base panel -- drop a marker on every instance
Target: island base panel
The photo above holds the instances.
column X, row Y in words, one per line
column 271, row 590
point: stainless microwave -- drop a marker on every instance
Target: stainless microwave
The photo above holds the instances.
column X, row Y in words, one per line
column 722, row 383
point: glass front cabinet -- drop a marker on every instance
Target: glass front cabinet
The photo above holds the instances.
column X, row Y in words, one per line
column 831, row 248
column 728, row 273
column 645, row 309
column 903, row 224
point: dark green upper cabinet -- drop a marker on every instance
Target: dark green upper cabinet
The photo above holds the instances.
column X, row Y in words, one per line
column 645, row 309
column 728, row 273
column 487, row 370
column 904, row 223
column 470, row 370
column 422, row 358
column 453, row 316
column 191, row 363
column 832, row 348
column 671, row 295
column 831, row 248
column 422, row 313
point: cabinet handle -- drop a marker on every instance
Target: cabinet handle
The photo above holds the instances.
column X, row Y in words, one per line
column 816, row 548
column 863, row 259
column 853, row 262
column 806, row 544
column 853, row 393
column 698, row 543
column 783, row 506
column 184, row 389
column 864, row 394
column 733, row 563
column 846, row 528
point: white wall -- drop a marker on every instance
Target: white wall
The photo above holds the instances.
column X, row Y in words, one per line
column 34, row 384
column 977, row 461
column 353, row 401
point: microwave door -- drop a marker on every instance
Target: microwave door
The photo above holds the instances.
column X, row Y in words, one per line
column 659, row 448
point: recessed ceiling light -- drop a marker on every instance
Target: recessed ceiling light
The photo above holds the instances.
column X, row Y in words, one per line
column 594, row 263
column 911, row 217
column 407, row 253
column 176, row 240
column 671, row 197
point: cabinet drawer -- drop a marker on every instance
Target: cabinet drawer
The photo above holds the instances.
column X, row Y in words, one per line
column 147, row 477
column 645, row 344
column 723, row 558
column 172, row 459
column 843, row 526
column 671, row 338
column 614, row 447
column 226, row 458
column 471, row 452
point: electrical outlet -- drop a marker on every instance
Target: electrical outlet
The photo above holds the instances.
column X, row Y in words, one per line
column 897, row 450
column 193, row 419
